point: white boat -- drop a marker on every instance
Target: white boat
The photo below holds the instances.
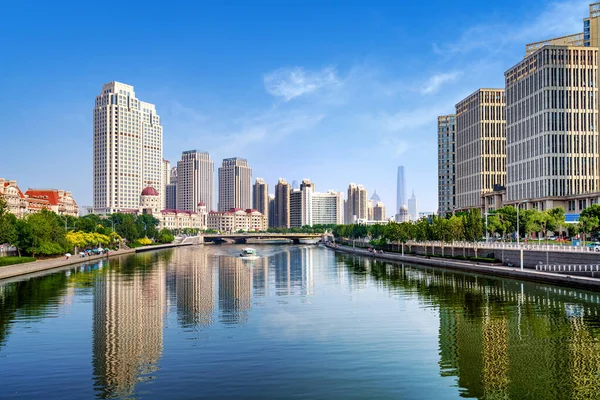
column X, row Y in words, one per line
column 249, row 253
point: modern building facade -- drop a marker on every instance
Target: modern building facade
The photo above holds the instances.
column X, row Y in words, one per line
column 400, row 188
column 128, row 144
column 552, row 126
column 281, row 211
column 446, row 164
column 235, row 184
column 295, row 208
column 171, row 190
column 480, row 146
column 260, row 197
column 271, row 217
column 327, row 208
column 356, row 203
column 195, row 181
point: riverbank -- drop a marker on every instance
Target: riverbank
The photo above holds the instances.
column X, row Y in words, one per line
column 11, row 271
column 496, row 270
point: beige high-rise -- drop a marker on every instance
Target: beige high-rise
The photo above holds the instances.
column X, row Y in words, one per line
column 356, row 203
column 552, row 125
column 128, row 140
column 235, row 184
column 195, row 181
column 480, row 146
column 282, row 204
column 261, row 197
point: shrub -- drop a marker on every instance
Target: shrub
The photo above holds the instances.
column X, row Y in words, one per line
column 142, row 242
column 15, row 260
column 484, row 259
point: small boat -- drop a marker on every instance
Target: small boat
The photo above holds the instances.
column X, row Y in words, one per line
column 249, row 253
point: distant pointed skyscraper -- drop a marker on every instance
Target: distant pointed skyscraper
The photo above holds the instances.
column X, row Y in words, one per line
column 412, row 207
column 400, row 189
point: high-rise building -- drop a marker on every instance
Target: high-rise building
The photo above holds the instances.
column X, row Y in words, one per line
column 282, row 204
column 166, row 180
column 295, row 208
column 379, row 211
column 271, row 217
column 412, row 207
column 260, row 197
column 446, row 164
column 480, row 146
column 195, row 181
column 128, row 141
column 327, row 208
column 552, row 126
column 356, row 203
column 235, row 184
column 301, row 205
column 400, row 188
column 171, row 189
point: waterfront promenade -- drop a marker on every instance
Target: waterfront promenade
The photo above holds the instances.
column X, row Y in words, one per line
column 11, row 271
column 480, row 268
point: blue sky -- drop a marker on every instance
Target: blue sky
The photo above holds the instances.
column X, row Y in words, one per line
column 337, row 92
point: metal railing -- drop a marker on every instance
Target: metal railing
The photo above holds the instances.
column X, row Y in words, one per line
column 568, row 268
column 507, row 246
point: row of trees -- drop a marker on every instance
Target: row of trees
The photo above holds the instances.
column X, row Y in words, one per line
column 46, row 233
column 471, row 226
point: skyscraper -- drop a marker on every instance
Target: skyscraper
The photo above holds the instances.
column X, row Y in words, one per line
column 400, row 188
column 272, row 213
column 195, row 181
column 480, row 146
column 128, row 140
column 412, row 207
column 171, row 189
column 356, row 204
column 327, row 208
column 261, row 197
column 165, row 181
column 552, row 144
column 235, row 184
column 446, row 164
column 282, row 204
column 301, row 205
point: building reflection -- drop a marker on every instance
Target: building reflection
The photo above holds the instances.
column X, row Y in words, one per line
column 294, row 271
column 260, row 277
column 129, row 307
column 195, row 289
column 504, row 339
column 235, row 290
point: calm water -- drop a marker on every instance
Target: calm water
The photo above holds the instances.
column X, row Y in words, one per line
column 301, row 322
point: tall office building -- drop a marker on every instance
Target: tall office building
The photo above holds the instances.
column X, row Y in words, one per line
column 480, row 146
column 295, row 208
column 165, row 181
column 195, row 181
column 400, row 188
column 356, row 203
column 171, row 190
column 235, row 184
column 412, row 207
column 327, row 208
column 281, row 210
column 128, row 140
column 446, row 164
column 552, row 125
column 379, row 211
column 260, row 197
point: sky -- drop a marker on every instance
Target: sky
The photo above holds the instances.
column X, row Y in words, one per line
column 332, row 91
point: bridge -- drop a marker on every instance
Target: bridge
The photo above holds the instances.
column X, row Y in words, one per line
column 242, row 237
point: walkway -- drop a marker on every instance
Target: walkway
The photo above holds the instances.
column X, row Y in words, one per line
column 496, row 270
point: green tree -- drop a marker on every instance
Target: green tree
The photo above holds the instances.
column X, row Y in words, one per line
column 165, row 236
column 588, row 224
column 494, row 225
column 558, row 220
column 8, row 231
column 41, row 233
column 473, row 225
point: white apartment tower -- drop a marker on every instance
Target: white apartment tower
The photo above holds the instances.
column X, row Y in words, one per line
column 552, row 126
column 235, row 184
column 127, row 149
column 327, row 208
column 195, row 181
column 413, row 215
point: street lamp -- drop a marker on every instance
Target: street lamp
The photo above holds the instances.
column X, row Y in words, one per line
column 518, row 206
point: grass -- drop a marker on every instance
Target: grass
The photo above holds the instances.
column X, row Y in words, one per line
column 10, row 260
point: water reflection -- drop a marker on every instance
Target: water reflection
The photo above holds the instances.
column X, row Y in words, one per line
column 235, row 290
column 129, row 309
column 501, row 338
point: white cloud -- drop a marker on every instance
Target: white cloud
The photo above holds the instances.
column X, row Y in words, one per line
column 434, row 83
column 293, row 82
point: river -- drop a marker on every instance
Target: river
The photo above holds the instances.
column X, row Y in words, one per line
column 300, row 322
